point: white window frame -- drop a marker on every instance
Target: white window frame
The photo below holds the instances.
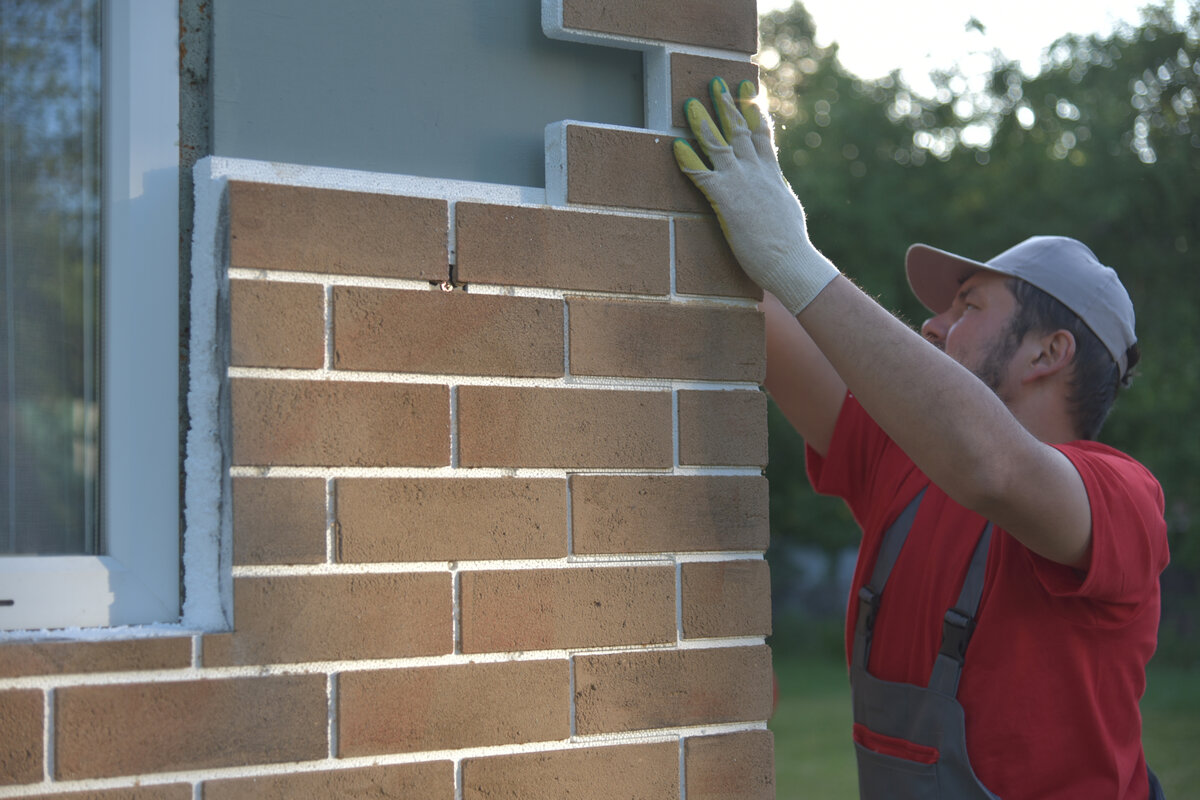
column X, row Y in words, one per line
column 137, row 580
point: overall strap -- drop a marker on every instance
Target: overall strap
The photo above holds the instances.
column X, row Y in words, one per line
column 959, row 623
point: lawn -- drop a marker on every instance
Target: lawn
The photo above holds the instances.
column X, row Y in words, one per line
column 815, row 759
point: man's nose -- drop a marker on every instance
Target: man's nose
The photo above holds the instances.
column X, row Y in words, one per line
column 935, row 329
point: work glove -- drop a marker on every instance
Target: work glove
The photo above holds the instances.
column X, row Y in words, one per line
column 760, row 216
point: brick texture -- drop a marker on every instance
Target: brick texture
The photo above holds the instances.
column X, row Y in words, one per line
column 428, row 781
column 644, row 690
column 336, row 617
column 722, row 24
column 545, row 609
column 595, row 773
column 735, row 766
column 170, row 791
column 654, row 514
column 704, row 264
column 345, row 233
column 691, row 74
column 129, row 729
column 435, row 708
column 276, row 324
column 332, row 423
column 561, row 249
column 278, row 521
column 727, row 598
column 612, row 167
column 451, row 519
column 723, row 428
column 19, row 659
column 21, row 714
column 665, row 340
column 520, row 427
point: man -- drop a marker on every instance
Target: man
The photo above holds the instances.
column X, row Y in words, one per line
column 989, row 519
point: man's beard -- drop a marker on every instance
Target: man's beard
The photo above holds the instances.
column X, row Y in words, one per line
column 997, row 360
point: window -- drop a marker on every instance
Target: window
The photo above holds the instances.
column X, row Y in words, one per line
column 89, row 409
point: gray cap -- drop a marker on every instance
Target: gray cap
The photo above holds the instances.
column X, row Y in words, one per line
column 1061, row 267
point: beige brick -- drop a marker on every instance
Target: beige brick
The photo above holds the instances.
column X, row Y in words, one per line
column 690, row 76
column 169, row 791
column 335, row 618
column 345, row 233
column 436, row 708
column 433, row 780
column 593, row 773
column 562, row 249
column 734, row 766
column 339, row 423
column 451, row 333
column 723, row 428
column 705, row 265
column 19, row 659
column 617, row 692
column 656, row 514
column 131, row 729
column 451, row 519
column 278, row 521
column 21, row 715
column 666, row 340
column 561, row 608
column 721, row 24
column 276, row 324
column 726, row 598
column 528, row 427
column 612, row 167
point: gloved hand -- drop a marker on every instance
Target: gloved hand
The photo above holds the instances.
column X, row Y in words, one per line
column 761, row 217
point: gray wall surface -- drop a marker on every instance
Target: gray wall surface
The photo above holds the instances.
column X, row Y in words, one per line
column 438, row 88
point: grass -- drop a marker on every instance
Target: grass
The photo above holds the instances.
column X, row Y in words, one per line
column 814, row 756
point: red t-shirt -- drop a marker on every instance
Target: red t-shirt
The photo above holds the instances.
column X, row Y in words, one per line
column 1056, row 666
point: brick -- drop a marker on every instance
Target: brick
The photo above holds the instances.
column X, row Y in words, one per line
column 690, row 76
column 335, row 618
column 723, row 428
column 722, row 24
column 21, row 715
column 338, row 232
column 705, row 265
column 562, row 249
column 617, row 692
column 438, row 708
column 18, row 659
column 505, row 611
column 664, row 514
column 132, row 729
column 446, row 333
column 278, row 521
column 726, row 598
column 666, row 340
column 592, row 773
column 276, row 324
column 433, row 780
column 733, row 766
column 339, row 423
column 451, row 519
column 169, row 791
column 614, row 167
column 571, row 428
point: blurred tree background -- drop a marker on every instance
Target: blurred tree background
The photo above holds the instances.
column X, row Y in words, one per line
column 1103, row 145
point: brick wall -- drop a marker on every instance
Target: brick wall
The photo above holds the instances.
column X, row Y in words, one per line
column 498, row 541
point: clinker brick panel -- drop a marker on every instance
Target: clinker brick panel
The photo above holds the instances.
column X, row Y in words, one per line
column 617, row 692
column 561, row 249
column 436, row 708
column 130, row 729
column 345, row 233
column 611, row 167
column 594, row 773
column 551, row 609
column 278, row 521
column 21, row 714
column 721, row 24
column 734, row 766
column 428, row 781
column 276, row 324
column 571, row 428
column 723, row 428
column 705, row 265
column 665, row 340
column 691, row 74
column 339, row 423
column 656, row 514
column 18, row 659
column 727, row 598
column 336, row 617
column 446, row 333
column 451, row 519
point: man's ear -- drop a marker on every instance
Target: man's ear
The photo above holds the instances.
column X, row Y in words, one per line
column 1055, row 352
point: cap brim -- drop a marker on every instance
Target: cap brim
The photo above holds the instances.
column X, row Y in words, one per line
column 935, row 275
